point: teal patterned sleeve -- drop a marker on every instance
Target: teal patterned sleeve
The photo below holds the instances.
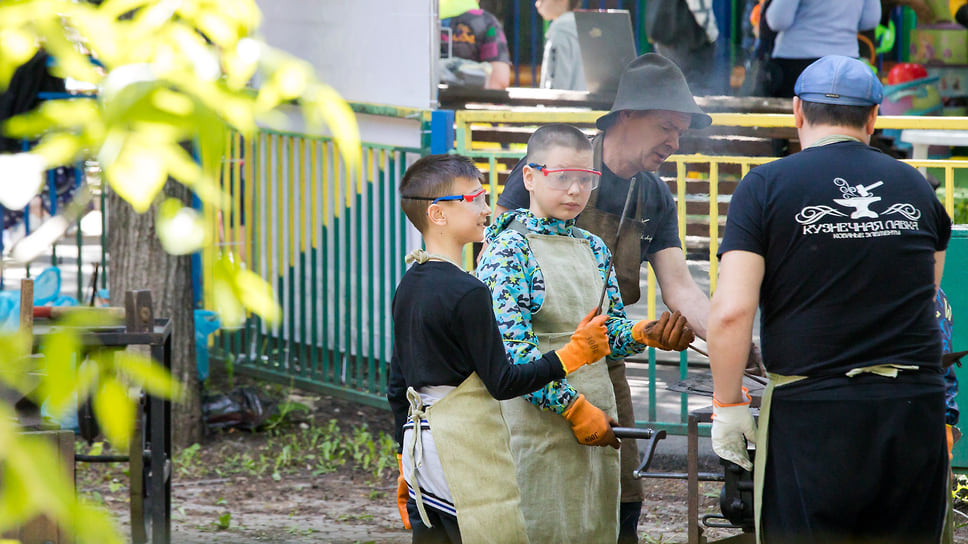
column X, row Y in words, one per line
column 509, row 271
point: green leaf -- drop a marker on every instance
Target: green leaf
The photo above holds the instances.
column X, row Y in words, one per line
column 116, row 8
column 181, row 229
column 227, row 303
column 93, row 525
column 148, row 374
column 16, row 505
column 115, row 412
column 90, row 318
column 236, row 289
column 258, row 295
column 137, row 175
column 15, row 347
column 70, row 63
column 172, row 102
column 18, row 47
column 58, row 148
column 183, row 168
column 59, row 350
column 325, row 106
column 211, row 144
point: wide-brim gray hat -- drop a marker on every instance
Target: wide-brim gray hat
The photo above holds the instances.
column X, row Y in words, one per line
column 653, row 82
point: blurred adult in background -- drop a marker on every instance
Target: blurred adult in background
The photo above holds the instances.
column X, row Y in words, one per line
column 468, row 32
column 685, row 31
column 561, row 64
column 959, row 10
column 810, row 29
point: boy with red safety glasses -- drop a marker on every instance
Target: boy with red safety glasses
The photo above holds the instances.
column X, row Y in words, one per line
column 545, row 274
column 449, row 366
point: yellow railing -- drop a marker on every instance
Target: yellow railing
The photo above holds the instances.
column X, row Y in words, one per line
column 464, row 143
column 463, row 119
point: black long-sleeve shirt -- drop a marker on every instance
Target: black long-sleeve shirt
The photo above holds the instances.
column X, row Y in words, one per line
column 443, row 330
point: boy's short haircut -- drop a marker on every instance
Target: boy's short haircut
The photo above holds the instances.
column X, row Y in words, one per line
column 556, row 135
column 431, row 177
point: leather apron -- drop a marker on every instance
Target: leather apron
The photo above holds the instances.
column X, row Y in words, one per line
column 569, row 492
column 472, row 443
column 627, row 258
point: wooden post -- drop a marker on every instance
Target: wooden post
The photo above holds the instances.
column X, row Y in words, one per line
column 41, row 530
column 138, row 313
column 27, row 306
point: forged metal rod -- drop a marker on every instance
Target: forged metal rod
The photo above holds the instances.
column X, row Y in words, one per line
column 694, row 348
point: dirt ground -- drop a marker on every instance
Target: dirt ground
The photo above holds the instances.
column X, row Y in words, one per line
column 328, row 475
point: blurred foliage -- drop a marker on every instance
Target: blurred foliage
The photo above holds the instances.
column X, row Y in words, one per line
column 167, row 72
column 961, row 204
column 31, row 469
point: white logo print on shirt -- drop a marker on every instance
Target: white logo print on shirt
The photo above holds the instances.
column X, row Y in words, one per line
column 860, row 198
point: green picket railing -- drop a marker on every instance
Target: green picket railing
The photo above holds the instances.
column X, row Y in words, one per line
column 331, row 241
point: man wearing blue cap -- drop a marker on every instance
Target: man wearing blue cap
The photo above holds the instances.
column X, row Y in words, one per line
column 842, row 248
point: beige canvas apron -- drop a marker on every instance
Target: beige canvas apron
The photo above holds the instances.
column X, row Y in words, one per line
column 569, row 492
column 472, row 443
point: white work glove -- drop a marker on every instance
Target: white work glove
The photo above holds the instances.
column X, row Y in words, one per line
column 731, row 422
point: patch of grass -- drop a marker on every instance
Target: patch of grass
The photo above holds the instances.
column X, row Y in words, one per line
column 188, row 461
column 293, row 449
column 376, row 494
column 224, row 521
column 301, row 531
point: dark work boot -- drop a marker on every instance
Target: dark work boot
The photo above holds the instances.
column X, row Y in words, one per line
column 628, row 522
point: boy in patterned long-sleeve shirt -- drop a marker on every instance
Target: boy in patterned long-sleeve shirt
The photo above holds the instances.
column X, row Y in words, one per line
column 545, row 274
column 448, row 366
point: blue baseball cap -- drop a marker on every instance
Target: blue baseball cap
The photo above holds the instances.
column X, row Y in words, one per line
column 836, row 79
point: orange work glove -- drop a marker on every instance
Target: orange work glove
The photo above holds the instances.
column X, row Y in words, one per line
column 669, row 332
column 402, row 495
column 950, row 436
column 592, row 427
column 587, row 345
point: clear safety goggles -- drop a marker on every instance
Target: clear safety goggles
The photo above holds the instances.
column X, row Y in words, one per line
column 562, row 179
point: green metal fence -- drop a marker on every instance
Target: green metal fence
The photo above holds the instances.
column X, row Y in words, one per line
column 331, row 241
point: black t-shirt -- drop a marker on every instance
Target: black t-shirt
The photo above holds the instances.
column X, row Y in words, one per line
column 659, row 208
column 443, row 330
column 848, row 235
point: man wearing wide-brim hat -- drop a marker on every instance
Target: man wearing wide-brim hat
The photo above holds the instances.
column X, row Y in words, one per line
column 651, row 111
column 841, row 248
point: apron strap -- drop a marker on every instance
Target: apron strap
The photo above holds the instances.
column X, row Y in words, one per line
column 887, row 370
column 762, row 443
column 420, row 256
column 417, row 414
